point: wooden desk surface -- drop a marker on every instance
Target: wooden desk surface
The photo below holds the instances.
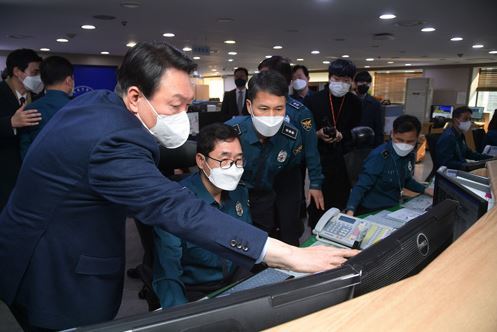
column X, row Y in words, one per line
column 456, row 292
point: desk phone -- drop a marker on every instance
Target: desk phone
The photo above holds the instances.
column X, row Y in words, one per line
column 339, row 228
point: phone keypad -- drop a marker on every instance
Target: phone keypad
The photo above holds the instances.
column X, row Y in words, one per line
column 338, row 229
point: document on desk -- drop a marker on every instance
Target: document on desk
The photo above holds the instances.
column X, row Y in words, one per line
column 421, row 203
column 375, row 233
column 383, row 219
column 405, row 214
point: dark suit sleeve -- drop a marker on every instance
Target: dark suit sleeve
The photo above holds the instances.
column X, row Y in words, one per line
column 122, row 170
column 6, row 127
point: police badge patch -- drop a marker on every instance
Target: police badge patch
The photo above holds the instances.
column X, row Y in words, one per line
column 409, row 166
column 306, row 124
column 297, row 150
column 239, row 209
column 282, row 156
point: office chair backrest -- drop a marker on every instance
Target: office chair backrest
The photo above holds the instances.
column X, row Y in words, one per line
column 362, row 140
column 478, row 138
column 432, row 140
column 182, row 157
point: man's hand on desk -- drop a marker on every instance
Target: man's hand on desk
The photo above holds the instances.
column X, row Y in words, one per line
column 310, row 259
column 429, row 192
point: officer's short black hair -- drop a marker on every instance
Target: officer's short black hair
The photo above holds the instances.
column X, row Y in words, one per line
column 241, row 69
column 268, row 81
column 406, row 123
column 363, row 76
column 279, row 64
column 55, row 69
column 144, row 64
column 304, row 69
column 20, row 58
column 211, row 134
column 456, row 114
column 342, row 68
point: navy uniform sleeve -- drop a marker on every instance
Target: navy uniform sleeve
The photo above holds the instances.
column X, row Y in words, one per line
column 446, row 152
column 409, row 181
column 122, row 170
column 371, row 171
column 307, row 127
column 473, row 155
column 168, row 269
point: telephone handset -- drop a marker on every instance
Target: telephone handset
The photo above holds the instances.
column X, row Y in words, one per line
column 339, row 228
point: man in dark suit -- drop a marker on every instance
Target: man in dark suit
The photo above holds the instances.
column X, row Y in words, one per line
column 62, row 232
column 372, row 114
column 15, row 93
column 234, row 101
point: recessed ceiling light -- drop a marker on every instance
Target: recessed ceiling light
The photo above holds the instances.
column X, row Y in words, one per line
column 292, row 64
column 315, row 52
column 268, row 56
column 169, row 34
column 130, row 4
column 232, row 53
column 326, row 62
column 478, row 46
column 300, row 59
column 44, row 49
column 213, row 69
column 345, row 56
column 387, row 16
column 277, row 47
column 63, row 40
column 187, row 49
column 456, row 39
column 370, row 59
column 88, row 27
column 230, row 60
column 492, row 52
column 256, row 72
column 230, row 42
column 408, row 64
column 367, row 66
column 104, row 52
column 196, row 58
column 390, row 62
column 428, row 29
column 131, row 44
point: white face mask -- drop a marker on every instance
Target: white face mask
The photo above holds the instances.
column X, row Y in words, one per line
column 464, row 126
column 225, row 179
column 299, row 84
column 33, row 83
column 402, row 149
column 339, row 89
column 170, row 130
column 267, row 126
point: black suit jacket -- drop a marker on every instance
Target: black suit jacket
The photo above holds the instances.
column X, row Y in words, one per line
column 373, row 117
column 229, row 107
column 9, row 143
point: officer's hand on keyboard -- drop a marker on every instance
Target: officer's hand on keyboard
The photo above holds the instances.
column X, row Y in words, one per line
column 310, row 259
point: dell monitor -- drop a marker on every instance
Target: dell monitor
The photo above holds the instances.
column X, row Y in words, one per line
column 247, row 310
column 406, row 251
column 444, row 111
column 477, row 112
column 471, row 205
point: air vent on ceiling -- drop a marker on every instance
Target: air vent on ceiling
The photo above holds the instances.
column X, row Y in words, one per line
column 20, row 36
column 201, row 50
column 383, row 36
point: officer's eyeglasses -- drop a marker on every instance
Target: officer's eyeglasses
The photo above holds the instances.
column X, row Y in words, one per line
column 227, row 163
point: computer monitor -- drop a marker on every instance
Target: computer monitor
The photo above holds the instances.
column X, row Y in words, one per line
column 477, row 112
column 406, row 251
column 471, row 205
column 248, row 310
column 444, row 111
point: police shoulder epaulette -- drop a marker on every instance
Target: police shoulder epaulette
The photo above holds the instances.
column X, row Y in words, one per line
column 295, row 104
column 238, row 130
column 289, row 131
column 385, row 154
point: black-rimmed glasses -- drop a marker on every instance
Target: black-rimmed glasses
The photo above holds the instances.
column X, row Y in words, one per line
column 227, row 163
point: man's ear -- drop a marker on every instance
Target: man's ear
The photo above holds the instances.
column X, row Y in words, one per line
column 249, row 106
column 131, row 97
column 200, row 160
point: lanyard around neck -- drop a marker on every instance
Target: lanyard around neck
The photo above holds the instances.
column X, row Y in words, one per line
column 335, row 119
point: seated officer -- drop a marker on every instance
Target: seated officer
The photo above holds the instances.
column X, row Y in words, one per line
column 184, row 271
column 388, row 170
column 269, row 143
column 452, row 150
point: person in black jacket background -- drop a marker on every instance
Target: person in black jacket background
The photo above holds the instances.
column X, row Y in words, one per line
column 372, row 114
column 336, row 111
column 234, row 101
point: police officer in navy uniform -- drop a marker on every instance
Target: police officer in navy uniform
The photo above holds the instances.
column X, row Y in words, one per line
column 269, row 143
column 388, row 170
column 289, row 184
